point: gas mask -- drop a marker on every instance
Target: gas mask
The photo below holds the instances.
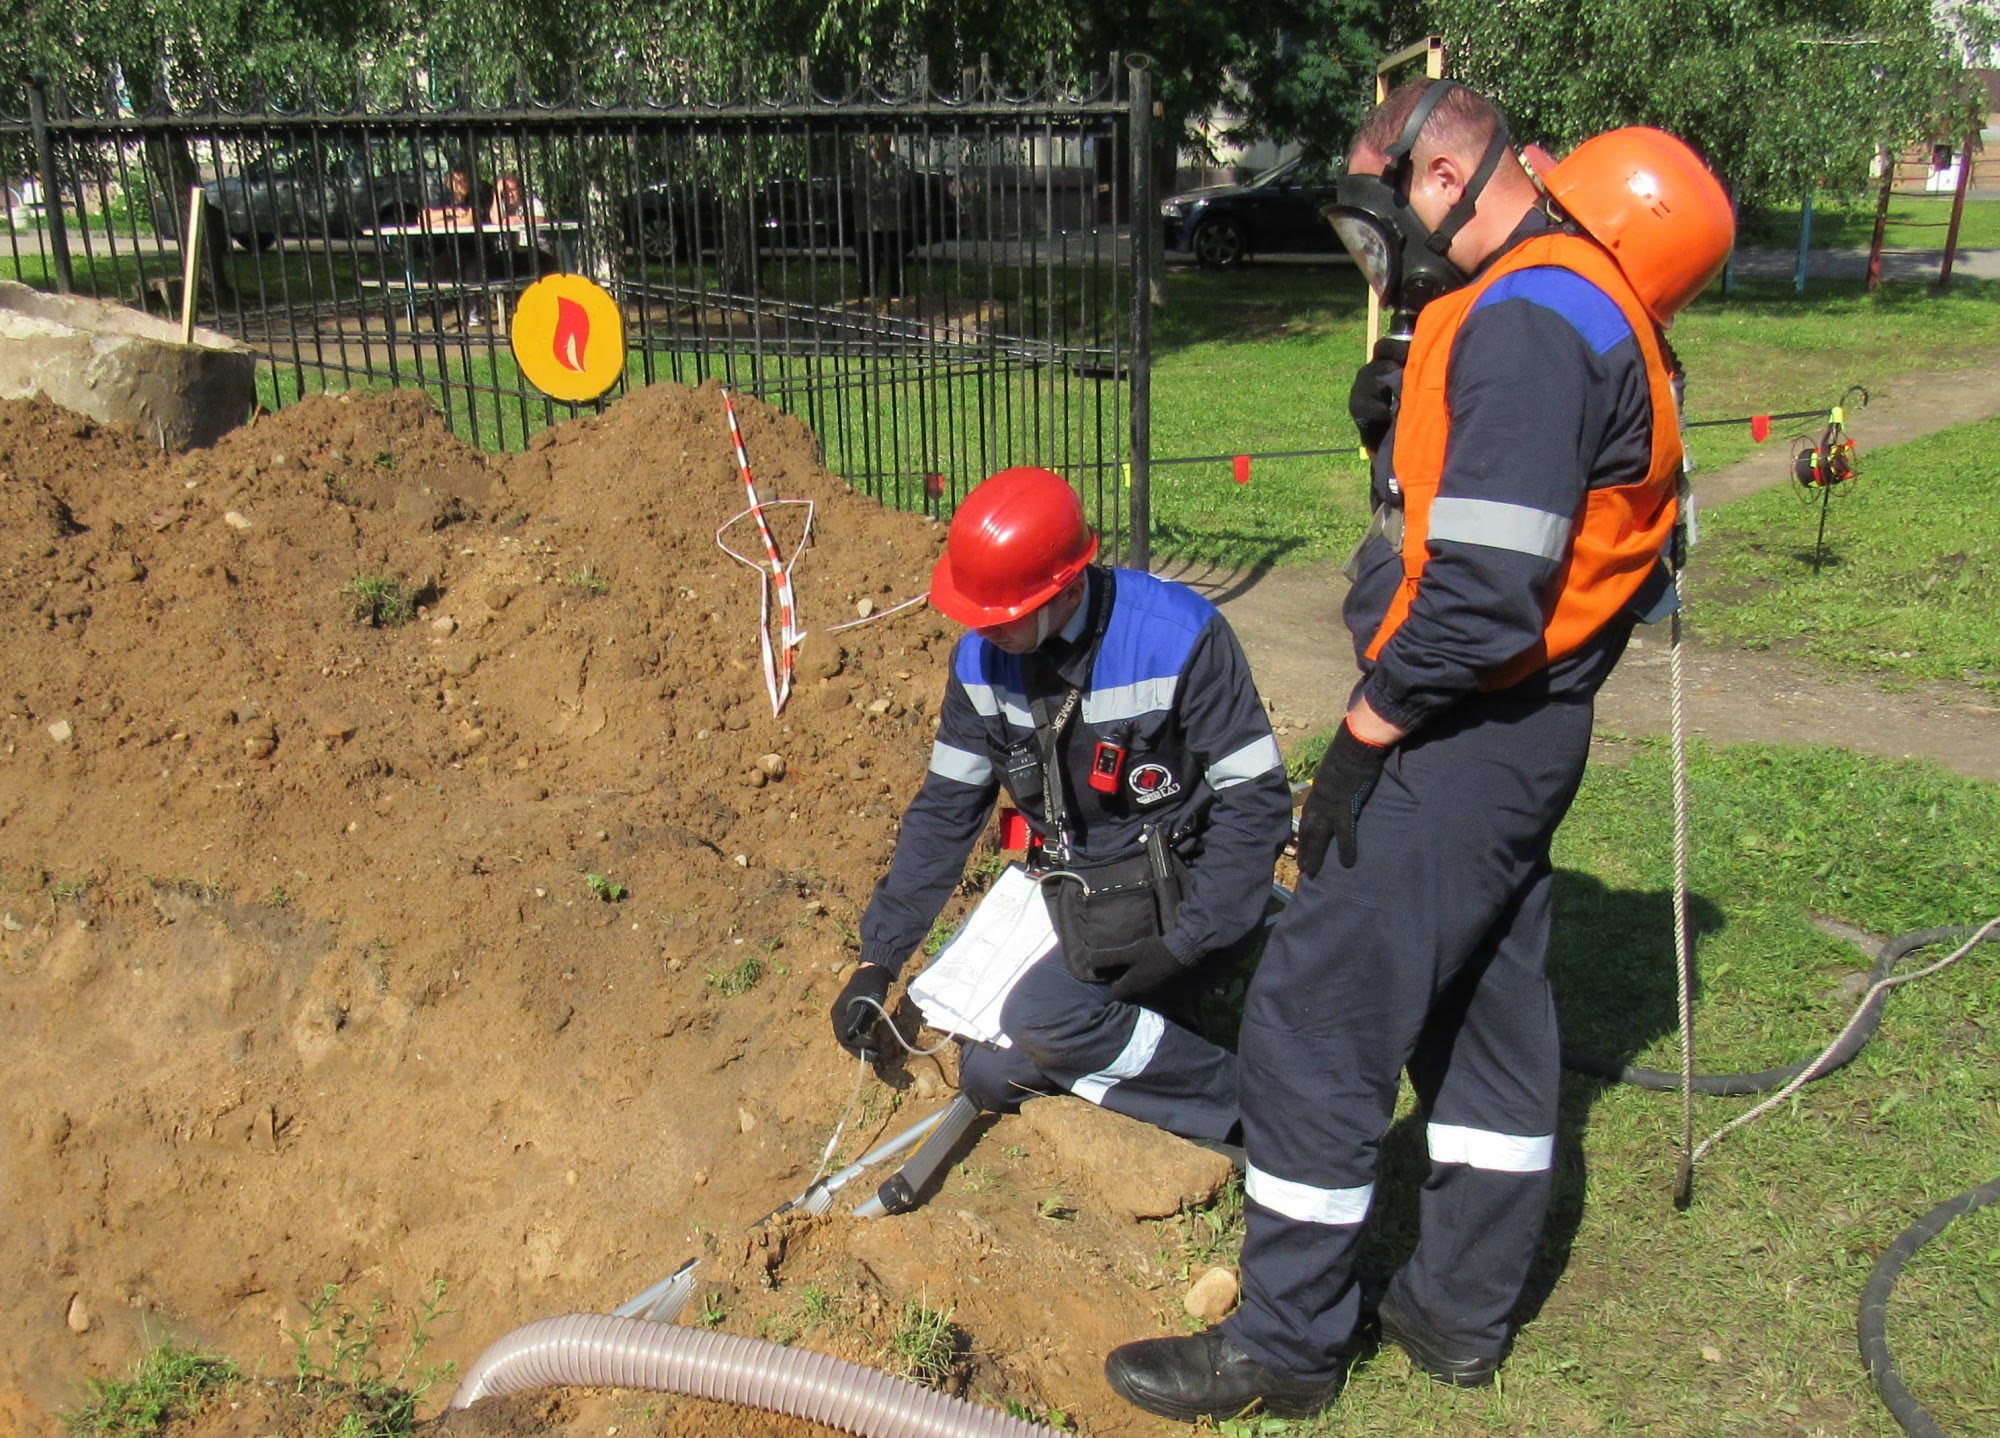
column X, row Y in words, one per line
column 1405, row 262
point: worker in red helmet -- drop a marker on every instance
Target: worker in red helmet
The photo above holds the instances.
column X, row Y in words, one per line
column 1525, row 488
column 1117, row 713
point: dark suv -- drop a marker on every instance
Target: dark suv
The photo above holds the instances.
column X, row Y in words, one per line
column 341, row 186
column 1276, row 213
column 679, row 218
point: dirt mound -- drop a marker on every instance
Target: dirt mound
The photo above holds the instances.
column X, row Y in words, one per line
column 405, row 877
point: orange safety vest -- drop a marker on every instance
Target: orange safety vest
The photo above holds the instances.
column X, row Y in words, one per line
column 1620, row 530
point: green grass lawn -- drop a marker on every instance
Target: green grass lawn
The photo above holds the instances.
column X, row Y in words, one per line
column 1915, row 223
column 1262, row 359
column 1738, row 1316
column 1911, row 584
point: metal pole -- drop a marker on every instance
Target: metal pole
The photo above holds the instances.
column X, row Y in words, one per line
column 1145, row 218
column 1881, row 217
column 1957, row 211
column 52, row 205
column 1805, row 244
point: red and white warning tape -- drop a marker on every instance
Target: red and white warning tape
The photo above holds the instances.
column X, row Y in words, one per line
column 777, row 666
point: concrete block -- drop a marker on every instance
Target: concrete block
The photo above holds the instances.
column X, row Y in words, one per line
column 121, row 366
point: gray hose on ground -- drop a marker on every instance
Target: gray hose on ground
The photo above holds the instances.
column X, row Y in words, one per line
column 606, row 1351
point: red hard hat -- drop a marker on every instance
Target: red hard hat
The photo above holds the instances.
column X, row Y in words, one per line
column 1018, row 538
column 1648, row 198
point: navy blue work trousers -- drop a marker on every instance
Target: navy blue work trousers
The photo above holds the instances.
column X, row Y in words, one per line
column 1427, row 954
column 1073, row 1037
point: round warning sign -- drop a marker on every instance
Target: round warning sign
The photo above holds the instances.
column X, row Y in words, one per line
column 569, row 338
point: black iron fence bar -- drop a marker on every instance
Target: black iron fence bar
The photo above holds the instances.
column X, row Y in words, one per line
column 1144, row 219
column 1015, row 343
column 51, row 186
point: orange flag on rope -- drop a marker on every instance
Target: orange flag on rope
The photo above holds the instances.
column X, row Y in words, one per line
column 1242, row 469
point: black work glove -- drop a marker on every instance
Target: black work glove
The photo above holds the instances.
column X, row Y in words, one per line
column 1372, row 400
column 1345, row 778
column 1146, row 964
column 854, row 1017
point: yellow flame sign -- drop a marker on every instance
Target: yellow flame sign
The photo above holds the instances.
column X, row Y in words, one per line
column 569, row 338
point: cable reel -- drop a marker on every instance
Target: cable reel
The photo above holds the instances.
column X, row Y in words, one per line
column 1821, row 466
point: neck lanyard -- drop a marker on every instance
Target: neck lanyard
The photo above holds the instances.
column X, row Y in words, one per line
column 1049, row 728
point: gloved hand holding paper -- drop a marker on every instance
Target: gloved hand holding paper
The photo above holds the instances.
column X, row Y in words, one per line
column 963, row 988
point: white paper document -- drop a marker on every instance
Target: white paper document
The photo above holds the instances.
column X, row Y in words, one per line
column 962, row 990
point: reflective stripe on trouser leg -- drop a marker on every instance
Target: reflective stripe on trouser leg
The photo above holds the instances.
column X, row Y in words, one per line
column 1457, row 829
column 1121, row 1056
column 1488, row 1070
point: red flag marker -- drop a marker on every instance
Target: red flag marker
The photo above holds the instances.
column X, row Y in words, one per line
column 1242, row 469
column 1760, row 427
column 934, row 485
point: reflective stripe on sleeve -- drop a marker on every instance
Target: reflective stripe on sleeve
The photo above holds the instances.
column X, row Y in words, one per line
column 1131, row 1060
column 989, row 702
column 984, row 703
column 1303, row 1203
column 1495, row 525
column 1497, row 1152
column 961, row 764
column 1260, row 756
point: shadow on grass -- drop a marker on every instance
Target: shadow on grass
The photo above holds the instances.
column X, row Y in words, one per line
column 1219, row 584
column 1611, row 965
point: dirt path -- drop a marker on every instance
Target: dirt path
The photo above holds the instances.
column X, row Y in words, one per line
column 1289, row 621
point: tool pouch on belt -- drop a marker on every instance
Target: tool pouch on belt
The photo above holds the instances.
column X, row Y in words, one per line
column 1099, row 907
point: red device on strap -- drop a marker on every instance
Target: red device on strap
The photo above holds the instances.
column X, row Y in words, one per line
column 1107, row 763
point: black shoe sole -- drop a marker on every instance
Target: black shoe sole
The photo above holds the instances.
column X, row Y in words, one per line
column 1457, row 1372
column 1189, row 1413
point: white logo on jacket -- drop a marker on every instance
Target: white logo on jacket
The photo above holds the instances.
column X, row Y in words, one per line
column 1151, row 783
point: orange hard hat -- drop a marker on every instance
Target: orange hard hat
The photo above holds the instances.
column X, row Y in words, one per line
column 1648, row 198
column 1018, row 538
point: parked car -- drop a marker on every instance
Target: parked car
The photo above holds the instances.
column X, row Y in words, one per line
column 1276, row 213
column 676, row 218
column 341, row 185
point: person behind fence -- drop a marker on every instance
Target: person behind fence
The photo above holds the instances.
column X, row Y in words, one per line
column 459, row 257
column 881, row 200
column 1117, row 712
column 1524, row 491
column 521, row 249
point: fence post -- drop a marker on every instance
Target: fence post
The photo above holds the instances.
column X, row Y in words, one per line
column 1145, row 219
column 1957, row 211
column 1805, row 244
column 52, row 204
column 1881, row 217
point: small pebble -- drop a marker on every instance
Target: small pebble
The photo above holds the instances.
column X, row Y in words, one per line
column 236, row 520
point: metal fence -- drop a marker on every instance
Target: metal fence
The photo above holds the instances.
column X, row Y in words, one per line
column 940, row 284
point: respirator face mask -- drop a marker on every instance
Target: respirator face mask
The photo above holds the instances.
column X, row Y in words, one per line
column 1404, row 260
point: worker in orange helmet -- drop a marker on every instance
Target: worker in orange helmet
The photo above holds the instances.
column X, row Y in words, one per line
column 1117, row 712
column 1525, row 490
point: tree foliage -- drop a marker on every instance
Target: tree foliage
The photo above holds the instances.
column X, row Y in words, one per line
column 1782, row 97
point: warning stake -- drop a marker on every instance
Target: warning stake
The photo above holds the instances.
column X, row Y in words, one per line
column 569, row 338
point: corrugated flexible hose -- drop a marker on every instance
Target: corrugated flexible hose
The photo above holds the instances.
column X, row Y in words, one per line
column 604, row 1350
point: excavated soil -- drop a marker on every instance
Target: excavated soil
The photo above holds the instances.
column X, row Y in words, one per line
column 492, row 947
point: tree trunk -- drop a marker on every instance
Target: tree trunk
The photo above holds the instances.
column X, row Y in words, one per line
column 738, row 273
column 170, row 166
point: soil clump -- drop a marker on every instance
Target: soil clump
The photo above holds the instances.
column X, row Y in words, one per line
column 397, row 884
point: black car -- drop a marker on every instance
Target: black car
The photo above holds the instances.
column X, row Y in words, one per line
column 341, row 186
column 676, row 218
column 1276, row 213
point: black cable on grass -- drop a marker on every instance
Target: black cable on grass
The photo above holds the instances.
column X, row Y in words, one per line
column 1735, row 1085
column 1873, row 1334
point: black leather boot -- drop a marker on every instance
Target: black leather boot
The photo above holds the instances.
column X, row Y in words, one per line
column 1207, row 1376
column 1429, row 1350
